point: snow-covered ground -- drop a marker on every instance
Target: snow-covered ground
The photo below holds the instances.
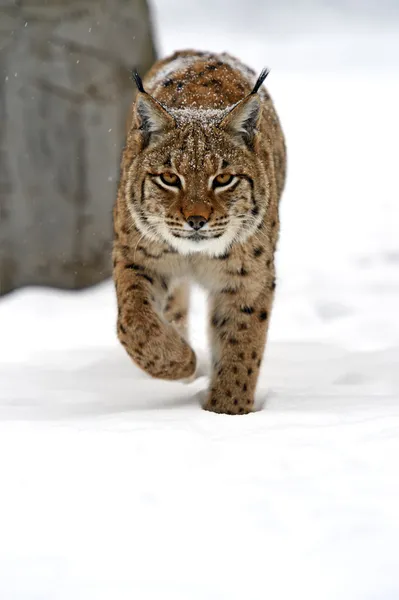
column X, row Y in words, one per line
column 116, row 486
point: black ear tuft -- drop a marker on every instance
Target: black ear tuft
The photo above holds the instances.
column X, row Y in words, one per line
column 138, row 81
column 263, row 74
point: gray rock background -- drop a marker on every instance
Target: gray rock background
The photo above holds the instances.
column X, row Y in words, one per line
column 65, row 91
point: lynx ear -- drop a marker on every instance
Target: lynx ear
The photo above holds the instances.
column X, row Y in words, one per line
column 150, row 116
column 243, row 119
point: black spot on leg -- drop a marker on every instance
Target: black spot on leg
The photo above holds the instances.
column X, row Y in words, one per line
column 213, row 401
column 233, row 341
column 263, row 315
column 121, row 327
column 254, row 355
column 219, row 322
column 255, row 211
column 250, row 371
column 258, row 251
column 145, row 302
column 241, row 356
column 258, row 363
column 146, row 277
column 164, row 283
column 274, row 224
column 132, row 287
column 248, row 310
column 235, row 370
column 224, row 335
column 235, row 401
column 273, row 286
column 243, row 272
column 268, row 263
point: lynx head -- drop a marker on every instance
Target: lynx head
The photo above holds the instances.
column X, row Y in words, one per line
column 197, row 180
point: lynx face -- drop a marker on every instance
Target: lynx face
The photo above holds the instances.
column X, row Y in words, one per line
column 197, row 182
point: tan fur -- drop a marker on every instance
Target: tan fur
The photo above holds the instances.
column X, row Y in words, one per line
column 193, row 136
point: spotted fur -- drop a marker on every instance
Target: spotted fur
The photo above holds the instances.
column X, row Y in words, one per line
column 195, row 120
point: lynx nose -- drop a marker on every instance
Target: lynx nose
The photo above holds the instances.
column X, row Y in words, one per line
column 197, row 222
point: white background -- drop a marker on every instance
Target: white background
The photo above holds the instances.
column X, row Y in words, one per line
column 113, row 485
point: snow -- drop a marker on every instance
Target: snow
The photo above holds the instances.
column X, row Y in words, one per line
column 117, row 486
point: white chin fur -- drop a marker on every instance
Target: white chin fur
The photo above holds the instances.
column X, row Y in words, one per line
column 211, row 247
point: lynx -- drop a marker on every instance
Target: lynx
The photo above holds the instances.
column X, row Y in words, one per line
column 202, row 174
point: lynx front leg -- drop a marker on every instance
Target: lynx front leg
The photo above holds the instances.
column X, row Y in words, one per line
column 239, row 325
column 176, row 308
column 155, row 345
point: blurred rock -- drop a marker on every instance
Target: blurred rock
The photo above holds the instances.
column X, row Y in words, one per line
column 65, row 90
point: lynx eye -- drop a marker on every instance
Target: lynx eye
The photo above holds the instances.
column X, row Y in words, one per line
column 170, row 179
column 222, row 180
